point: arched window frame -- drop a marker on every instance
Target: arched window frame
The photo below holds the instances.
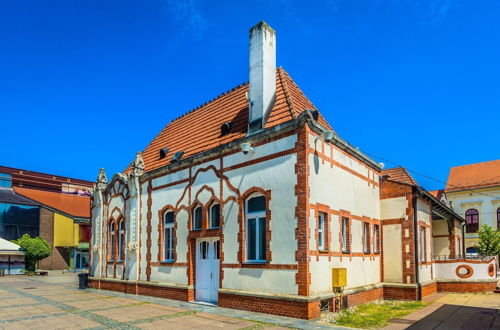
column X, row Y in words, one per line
column 168, row 229
column 472, row 220
column 121, row 239
column 111, row 240
column 259, row 219
column 194, row 215
column 211, row 210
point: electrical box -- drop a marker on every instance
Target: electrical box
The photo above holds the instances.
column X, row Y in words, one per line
column 339, row 277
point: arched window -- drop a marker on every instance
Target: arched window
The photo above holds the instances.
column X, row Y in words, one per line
column 215, row 216
column 472, row 220
column 121, row 240
column 111, row 240
column 168, row 236
column 256, row 228
column 197, row 214
column 498, row 218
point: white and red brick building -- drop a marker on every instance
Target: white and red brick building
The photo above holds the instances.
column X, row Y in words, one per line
column 248, row 202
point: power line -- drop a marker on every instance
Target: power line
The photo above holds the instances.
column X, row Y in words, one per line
column 424, row 175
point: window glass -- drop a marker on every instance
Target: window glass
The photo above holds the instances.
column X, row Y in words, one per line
column 256, row 204
column 376, row 238
column 472, row 220
column 422, row 244
column 262, row 240
column 17, row 220
column 121, row 238
column 498, row 218
column 169, row 217
column 197, row 218
column 111, row 241
column 5, row 180
column 321, row 231
column 217, row 249
column 366, row 237
column 252, row 239
column 345, row 223
column 215, row 216
column 204, row 250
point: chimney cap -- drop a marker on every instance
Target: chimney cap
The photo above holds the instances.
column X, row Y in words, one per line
column 262, row 26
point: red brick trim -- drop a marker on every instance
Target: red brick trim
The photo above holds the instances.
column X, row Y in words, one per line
column 491, row 270
column 275, row 306
column 469, row 269
column 400, row 293
column 474, row 287
column 303, row 277
column 469, row 261
column 325, row 209
column 429, row 289
column 260, row 265
column 363, row 297
column 260, row 160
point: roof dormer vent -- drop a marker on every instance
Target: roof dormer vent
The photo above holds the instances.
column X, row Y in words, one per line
column 225, row 128
column 177, row 156
column 163, row 152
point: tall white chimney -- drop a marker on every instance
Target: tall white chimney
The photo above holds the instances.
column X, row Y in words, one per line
column 262, row 75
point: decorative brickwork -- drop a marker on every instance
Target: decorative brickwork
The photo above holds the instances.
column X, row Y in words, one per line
column 400, row 293
column 282, row 307
column 363, row 297
column 473, row 287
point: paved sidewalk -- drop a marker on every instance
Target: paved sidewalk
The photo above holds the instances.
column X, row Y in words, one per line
column 53, row 302
column 454, row 311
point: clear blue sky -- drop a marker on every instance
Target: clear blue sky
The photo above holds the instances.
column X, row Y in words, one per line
column 86, row 84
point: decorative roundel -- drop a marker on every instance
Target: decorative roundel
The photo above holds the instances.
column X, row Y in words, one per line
column 464, row 271
column 491, row 270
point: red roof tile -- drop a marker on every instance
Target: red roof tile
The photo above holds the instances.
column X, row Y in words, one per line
column 199, row 129
column 77, row 206
column 476, row 175
column 399, row 174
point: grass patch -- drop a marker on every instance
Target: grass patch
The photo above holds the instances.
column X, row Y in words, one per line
column 374, row 315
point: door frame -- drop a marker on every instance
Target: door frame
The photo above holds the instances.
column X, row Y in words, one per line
column 214, row 281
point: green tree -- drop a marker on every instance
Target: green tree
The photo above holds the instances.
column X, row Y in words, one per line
column 35, row 248
column 489, row 241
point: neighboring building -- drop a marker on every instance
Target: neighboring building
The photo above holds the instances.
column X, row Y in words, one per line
column 419, row 233
column 11, row 258
column 250, row 200
column 55, row 208
column 474, row 192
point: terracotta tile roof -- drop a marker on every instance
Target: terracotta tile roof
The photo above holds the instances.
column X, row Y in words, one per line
column 399, row 174
column 476, row 175
column 200, row 129
column 77, row 206
column 437, row 193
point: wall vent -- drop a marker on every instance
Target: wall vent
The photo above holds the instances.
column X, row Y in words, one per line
column 177, row 156
column 163, row 152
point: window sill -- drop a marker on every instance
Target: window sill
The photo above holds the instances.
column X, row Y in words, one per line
column 324, row 251
column 166, row 262
column 213, row 228
column 196, row 229
column 346, row 252
column 255, row 262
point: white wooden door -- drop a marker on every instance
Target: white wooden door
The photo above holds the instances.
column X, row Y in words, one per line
column 207, row 269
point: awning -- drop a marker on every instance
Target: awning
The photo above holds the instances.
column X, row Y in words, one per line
column 9, row 248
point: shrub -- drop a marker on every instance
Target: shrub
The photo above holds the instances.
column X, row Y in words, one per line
column 35, row 248
column 489, row 241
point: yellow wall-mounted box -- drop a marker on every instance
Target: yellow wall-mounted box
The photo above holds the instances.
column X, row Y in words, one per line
column 339, row 277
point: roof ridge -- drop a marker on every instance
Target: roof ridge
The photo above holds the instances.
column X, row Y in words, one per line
column 286, row 92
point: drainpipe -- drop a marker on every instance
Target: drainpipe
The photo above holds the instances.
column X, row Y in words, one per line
column 463, row 239
column 416, row 194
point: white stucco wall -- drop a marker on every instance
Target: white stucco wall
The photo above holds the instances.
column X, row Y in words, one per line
column 393, row 208
column 340, row 189
column 393, row 254
column 447, row 271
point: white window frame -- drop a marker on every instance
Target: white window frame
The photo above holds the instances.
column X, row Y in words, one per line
column 194, row 217
column 168, row 229
column 258, row 239
column 321, row 231
column 376, row 238
column 423, row 257
column 344, row 224
column 366, row 237
column 111, row 230
column 210, row 216
column 121, row 238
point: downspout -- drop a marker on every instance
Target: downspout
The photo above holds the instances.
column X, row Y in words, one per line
column 416, row 194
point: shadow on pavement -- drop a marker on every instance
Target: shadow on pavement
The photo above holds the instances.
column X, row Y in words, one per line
column 460, row 317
